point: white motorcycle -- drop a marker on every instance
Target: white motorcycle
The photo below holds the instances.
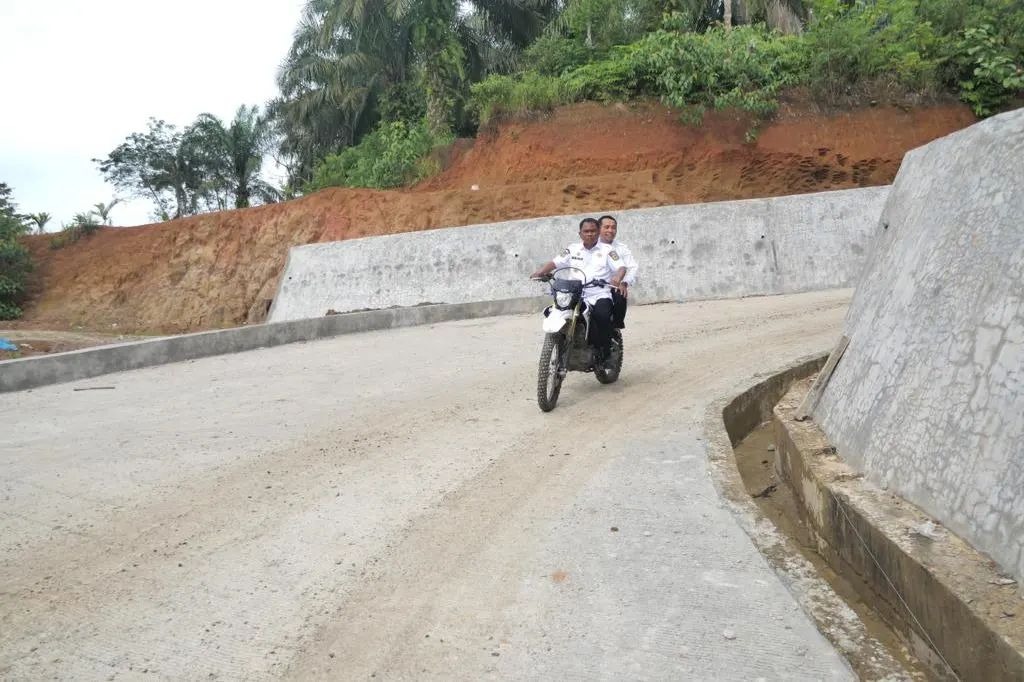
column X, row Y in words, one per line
column 566, row 348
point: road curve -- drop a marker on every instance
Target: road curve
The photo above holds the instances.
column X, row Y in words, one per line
column 394, row 505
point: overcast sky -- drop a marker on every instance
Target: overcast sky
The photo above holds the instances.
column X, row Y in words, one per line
column 78, row 77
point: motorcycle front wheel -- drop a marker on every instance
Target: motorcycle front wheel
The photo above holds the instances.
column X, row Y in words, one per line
column 549, row 375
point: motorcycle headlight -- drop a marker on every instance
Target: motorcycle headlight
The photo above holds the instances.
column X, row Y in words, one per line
column 563, row 299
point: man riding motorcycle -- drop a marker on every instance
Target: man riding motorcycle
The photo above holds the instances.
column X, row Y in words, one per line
column 597, row 261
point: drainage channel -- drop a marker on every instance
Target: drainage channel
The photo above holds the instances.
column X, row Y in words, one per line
column 755, row 460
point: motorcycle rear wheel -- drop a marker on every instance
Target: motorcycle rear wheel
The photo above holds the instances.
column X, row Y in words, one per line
column 549, row 378
column 609, row 374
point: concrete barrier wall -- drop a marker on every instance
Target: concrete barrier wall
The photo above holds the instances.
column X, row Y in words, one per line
column 25, row 373
column 701, row 251
column 928, row 399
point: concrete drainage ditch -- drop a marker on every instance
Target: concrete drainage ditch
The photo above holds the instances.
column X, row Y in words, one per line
column 899, row 596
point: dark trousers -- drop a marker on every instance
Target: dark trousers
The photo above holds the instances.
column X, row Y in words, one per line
column 601, row 324
column 619, row 309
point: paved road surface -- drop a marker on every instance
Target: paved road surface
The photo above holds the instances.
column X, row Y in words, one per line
column 393, row 505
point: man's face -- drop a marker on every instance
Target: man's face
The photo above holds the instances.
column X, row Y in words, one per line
column 588, row 235
column 608, row 231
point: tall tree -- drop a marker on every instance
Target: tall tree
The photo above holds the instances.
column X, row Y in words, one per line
column 234, row 154
column 348, row 57
column 343, row 57
column 206, row 166
column 161, row 165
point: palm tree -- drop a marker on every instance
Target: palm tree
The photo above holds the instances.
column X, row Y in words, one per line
column 233, row 156
column 40, row 219
column 344, row 55
column 102, row 210
column 347, row 54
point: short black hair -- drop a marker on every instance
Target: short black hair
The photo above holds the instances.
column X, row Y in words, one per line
column 589, row 220
column 609, row 217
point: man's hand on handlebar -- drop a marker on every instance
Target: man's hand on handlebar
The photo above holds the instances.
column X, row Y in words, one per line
column 544, row 273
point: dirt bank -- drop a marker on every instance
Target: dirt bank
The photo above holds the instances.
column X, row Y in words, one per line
column 215, row 270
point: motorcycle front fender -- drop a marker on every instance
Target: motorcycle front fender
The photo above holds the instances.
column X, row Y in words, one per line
column 555, row 320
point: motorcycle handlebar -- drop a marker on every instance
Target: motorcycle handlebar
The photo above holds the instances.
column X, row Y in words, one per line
column 591, row 283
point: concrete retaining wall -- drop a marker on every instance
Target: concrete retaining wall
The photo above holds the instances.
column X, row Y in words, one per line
column 720, row 250
column 942, row 596
column 928, row 399
column 17, row 375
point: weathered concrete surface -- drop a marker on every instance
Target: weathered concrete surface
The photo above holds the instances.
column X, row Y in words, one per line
column 730, row 420
column 942, row 595
column 729, row 249
column 26, row 373
column 395, row 503
column 928, row 399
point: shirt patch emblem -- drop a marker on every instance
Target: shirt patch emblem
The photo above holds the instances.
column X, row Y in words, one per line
column 613, row 255
column 565, row 252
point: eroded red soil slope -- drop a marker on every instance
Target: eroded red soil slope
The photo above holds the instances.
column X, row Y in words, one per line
column 220, row 269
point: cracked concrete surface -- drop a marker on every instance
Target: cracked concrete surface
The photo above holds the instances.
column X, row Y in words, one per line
column 394, row 504
column 928, row 399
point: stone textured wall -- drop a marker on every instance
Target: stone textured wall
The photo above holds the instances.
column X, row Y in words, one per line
column 929, row 398
column 699, row 251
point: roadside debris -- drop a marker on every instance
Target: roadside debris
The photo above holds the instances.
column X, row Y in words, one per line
column 1002, row 580
column 928, row 529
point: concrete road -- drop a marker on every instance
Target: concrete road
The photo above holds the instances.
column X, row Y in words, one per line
column 394, row 505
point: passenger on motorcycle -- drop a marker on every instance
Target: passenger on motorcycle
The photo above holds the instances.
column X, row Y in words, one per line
column 609, row 227
column 597, row 261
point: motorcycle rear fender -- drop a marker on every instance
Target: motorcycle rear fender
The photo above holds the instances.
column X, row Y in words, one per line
column 554, row 319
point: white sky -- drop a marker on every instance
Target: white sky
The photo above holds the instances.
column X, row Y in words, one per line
column 78, row 77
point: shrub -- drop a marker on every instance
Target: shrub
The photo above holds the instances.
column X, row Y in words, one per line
column 848, row 44
column 15, row 265
column 744, row 67
column 995, row 71
column 501, row 96
column 392, row 155
column 553, row 55
column 15, row 262
column 619, row 76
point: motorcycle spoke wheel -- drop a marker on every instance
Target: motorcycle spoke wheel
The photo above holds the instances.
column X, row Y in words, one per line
column 549, row 378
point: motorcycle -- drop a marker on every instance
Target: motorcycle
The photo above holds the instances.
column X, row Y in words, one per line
column 566, row 348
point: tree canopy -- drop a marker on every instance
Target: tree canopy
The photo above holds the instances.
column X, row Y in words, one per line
column 15, row 263
column 369, row 88
column 206, row 166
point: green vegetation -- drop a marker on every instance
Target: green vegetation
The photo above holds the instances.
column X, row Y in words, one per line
column 850, row 50
column 15, row 263
column 206, row 166
column 393, row 154
column 83, row 224
column 369, row 89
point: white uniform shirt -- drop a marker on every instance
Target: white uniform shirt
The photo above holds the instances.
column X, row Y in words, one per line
column 599, row 262
column 627, row 259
